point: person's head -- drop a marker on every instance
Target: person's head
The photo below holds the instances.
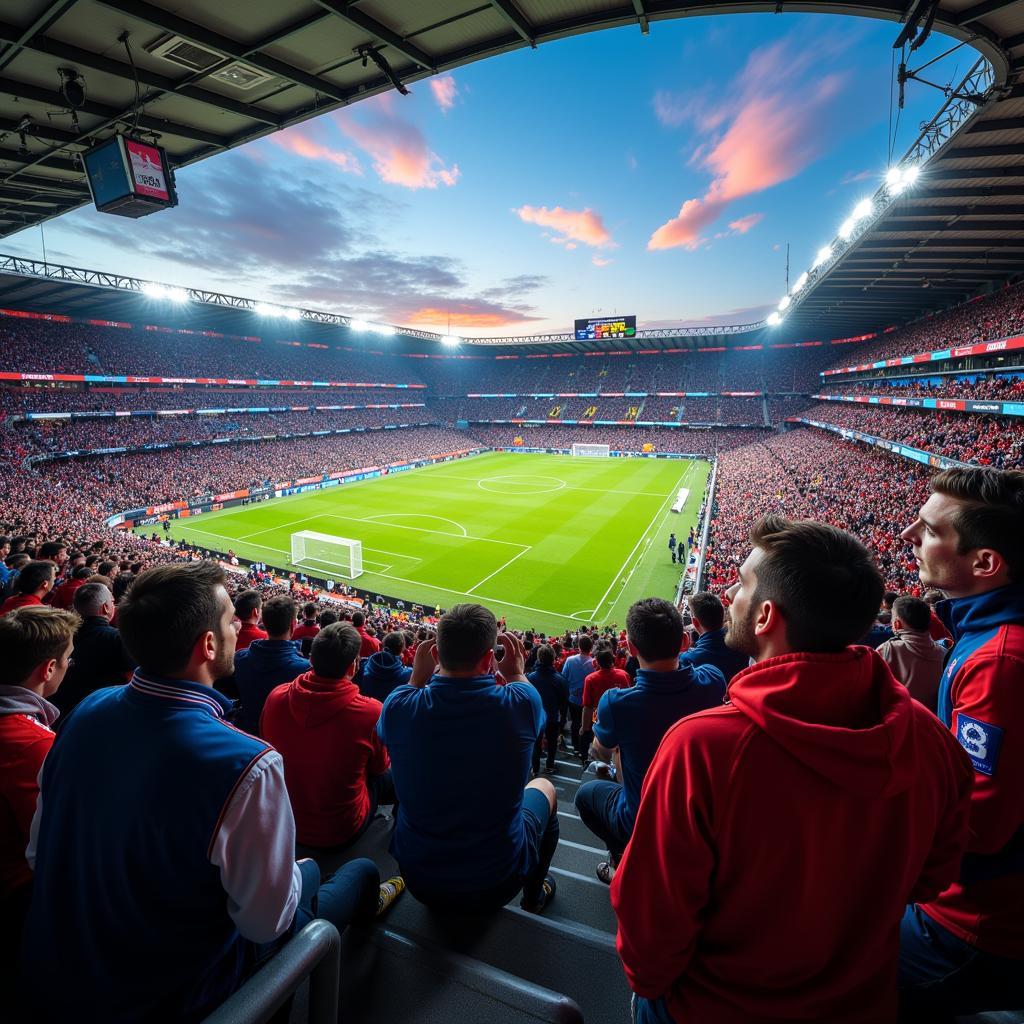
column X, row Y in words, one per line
column 81, row 572
column 911, row 613
column 707, row 611
column 586, row 644
column 37, row 644
column 5, row 546
column 545, row 656
column 36, row 578
column 309, row 611
column 358, row 619
column 335, row 651
column 805, row 586
column 466, row 635
column 888, row 598
column 605, row 658
column 17, row 562
column 94, row 599
column 106, row 567
column 279, row 617
column 327, row 617
column 394, row 643
column 654, row 629
column 178, row 621
column 248, row 605
column 122, row 583
column 968, row 537
column 53, row 551
column 933, row 597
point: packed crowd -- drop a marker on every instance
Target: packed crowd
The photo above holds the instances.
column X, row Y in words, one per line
column 996, row 387
column 987, row 440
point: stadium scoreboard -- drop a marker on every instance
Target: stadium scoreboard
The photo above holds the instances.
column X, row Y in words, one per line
column 129, row 177
column 606, row 328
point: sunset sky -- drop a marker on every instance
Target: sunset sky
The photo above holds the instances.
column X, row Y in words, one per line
column 606, row 173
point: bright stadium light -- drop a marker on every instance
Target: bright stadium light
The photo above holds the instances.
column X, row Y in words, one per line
column 176, row 294
column 774, row 319
column 358, row 325
column 800, row 281
column 863, row 209
column 894, row 177
column 824, row 255
column 264, row 309
column 385, row 329
column 846, row 228
column 784, row 304
column 910, row 174
column 899, row 178
column 291, row 313
column 450, row 340
column 153, row 290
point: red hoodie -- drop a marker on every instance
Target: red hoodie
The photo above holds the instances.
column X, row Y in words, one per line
column 326, row 731
column 779, row 839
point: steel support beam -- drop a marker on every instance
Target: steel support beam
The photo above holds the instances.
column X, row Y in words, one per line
column 511, row 13
column 348, row 12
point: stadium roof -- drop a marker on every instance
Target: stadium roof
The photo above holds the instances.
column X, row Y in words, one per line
column 203, row 78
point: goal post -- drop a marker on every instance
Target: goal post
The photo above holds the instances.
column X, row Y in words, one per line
column 340, row 555
column 594, row 451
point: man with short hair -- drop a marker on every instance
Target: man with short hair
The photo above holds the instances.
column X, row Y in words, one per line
column 36, row 644
column 370, row 644
column 266, row 664
column 779, row 834
column 554, row 695
column 575, row 669
column 100, row 656
column 630, row 722
column 163, row 842
column 248, row 607
column 914, row 658
column 335, row 766
column 32, row 585
column 708, row 614
column 385, row 671
column 604, row 678
column 307, row 629
column 472, row 829
column 64, row 595
column 962, row 951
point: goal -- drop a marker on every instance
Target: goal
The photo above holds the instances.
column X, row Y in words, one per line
column 592, row 450
column 339, row 555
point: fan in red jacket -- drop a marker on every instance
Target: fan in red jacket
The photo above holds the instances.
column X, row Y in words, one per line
column 369, row 644
column 780, row 836
column 37, row 644
column 248, row 606
column 963, row 951
column 335, row 766
column 34, row 582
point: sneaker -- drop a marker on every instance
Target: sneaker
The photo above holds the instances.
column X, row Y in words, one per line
column 546, row 896
column 390, row 890
column 604, row 771
column 605, row 872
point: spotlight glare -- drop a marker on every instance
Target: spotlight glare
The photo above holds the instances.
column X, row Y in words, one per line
column 784, row 304
column 863, row 209
column 290, row 313
column 176, row 294
column 358, row 325
column 774, row 319
column 153, row 290
column 264, row 309
column 384, row 329
column 910, row 174
column 894, row 177
column 800, row 282
column 450, row 340
column 846, row 228
column 824, row 255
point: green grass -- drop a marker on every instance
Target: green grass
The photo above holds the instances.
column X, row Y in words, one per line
column 549, row 541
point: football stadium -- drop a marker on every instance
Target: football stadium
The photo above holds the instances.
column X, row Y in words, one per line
column 512, row 512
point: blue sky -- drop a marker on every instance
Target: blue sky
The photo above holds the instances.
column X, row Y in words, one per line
column 611, row 172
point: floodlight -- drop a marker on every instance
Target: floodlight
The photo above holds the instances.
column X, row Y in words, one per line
column 176, row 294
column 264, row 309
column 774, row 319
column 801, row 281
column 894, row 177
column 910, row 174
column 824, row 255
column 784, row 304
column 846, row 228
column 863, row 209
column 153, row 290
column 291, row 313
column 385, row 329
column 450, row 340
column 358, row 325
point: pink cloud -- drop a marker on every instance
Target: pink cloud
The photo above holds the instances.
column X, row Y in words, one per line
column 744, row 224
column 301, row 143
column 776, row 127
column 397, row 148
column 445, row 91
column 600, row 261
column 570, row 226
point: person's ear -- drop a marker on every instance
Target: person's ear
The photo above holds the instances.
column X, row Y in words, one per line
column 987, row 563
column 631, row 648
column 768, row 619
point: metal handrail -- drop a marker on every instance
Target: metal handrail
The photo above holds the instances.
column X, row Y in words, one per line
column 314, row 953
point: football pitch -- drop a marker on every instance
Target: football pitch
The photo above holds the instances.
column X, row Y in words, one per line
column 549, row 541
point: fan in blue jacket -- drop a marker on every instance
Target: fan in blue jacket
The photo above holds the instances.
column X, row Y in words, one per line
column 384, row 671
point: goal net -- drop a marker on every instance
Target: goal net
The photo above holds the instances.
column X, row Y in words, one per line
column 339, row 555
column 592, row 450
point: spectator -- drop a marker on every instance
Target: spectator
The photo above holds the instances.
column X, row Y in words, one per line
column 385, row 671
column 708, row 614
column 266, row 664
column 821, row 750
column 148, row 899
column 937, row 629
column 307, row 629
column 5, row 572
column 37, row 645
column 606, row 677
column 575, row 670
column 962, row 950
column 914, row 658
column 64, row 596
column 469, row 836
column 554, row 695
column 100, row 657
column 370, row 644
column 335, row 766
column 248, row 608
column 631, row 722
column 33, row 583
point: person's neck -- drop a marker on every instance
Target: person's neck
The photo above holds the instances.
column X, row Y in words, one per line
column 38, row 688
column 977, row 591
column 664, row 665
column 468, row 674
column 201, row 676
column 284, row 636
